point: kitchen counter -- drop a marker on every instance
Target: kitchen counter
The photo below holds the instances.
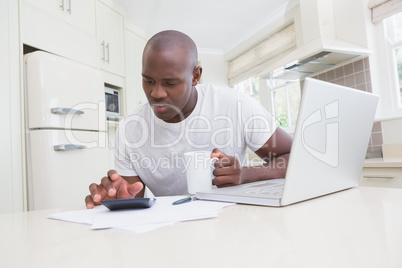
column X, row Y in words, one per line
column 383, row 162
column 382, row 172
column 359, row 228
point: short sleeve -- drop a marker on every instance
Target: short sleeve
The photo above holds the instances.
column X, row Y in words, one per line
column 122, row 161
column 258, row 123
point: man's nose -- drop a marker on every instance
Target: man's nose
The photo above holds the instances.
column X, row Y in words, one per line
column 158, row 92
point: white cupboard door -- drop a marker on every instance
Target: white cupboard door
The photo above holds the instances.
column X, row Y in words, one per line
column 63, row 164
column 43, row 31
column 63, row 94
column 55, row 8
column 80, row 13
column 110, row 34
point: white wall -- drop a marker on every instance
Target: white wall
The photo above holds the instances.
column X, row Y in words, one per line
column 214, row 68
column 11, row 136
column 5, row 165
column 392, row 131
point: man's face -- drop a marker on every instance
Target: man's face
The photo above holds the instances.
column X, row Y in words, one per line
column 168, row 81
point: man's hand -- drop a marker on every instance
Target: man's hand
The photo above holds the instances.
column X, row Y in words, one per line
column 112, row 187
column 227, row 170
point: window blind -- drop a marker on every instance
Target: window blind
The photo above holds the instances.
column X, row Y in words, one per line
column 382, row 9
column 257, row 59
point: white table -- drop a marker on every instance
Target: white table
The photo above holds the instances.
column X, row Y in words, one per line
column 360, row 227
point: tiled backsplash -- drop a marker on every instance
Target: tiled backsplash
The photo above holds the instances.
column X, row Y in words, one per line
column 376, row 141
column 357, row 75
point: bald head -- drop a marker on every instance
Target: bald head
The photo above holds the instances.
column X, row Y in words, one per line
column 171, row 40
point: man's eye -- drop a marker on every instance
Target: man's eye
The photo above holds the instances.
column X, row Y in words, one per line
column 148, row 81
column 170, row 83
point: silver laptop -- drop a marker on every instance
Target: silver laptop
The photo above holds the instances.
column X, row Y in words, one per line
column 328, row 151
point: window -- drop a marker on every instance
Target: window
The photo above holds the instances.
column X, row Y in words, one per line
column 285, row 104
column 280, row 97
column 251, row 87
column 394, row 39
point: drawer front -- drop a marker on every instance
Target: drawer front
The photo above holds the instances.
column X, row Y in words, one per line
column 63, row 165
column 382, row 177
column 63, row 94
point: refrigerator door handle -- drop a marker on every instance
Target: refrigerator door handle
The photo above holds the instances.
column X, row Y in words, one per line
column 68, row 147
column 60, row 110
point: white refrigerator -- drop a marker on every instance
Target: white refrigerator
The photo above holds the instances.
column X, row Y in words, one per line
column 66, row 130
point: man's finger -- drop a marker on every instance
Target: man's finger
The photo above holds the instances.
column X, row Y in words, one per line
column 109, row 186
column 113, row 175
column 135, row 188
column 222, row 181
column 96, row 192
column 223, row 171
column 217, row 153
column 224, row 162
column 89, row 202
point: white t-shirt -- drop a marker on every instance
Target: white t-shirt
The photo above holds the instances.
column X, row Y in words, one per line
column 223, row 118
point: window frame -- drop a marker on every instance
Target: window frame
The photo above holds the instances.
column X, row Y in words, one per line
column 290, row 128
column 265, row 97
column 391, row 47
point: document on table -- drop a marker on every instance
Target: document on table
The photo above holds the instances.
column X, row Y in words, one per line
column 163, row 213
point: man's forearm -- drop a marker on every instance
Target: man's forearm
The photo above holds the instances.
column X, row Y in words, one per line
column 274, row 169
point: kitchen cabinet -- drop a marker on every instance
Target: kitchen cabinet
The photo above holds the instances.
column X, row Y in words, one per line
column 44, row 25
column 79, row 13
column 382, row 173
column 110, row 38
column 134, row 95
column 382, row 177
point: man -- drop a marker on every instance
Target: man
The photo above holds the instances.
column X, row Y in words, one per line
column 180, row 117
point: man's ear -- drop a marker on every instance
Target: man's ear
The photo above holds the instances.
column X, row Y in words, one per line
column 197, row 75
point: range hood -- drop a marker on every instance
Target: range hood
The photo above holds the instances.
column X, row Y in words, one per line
column 329, row 33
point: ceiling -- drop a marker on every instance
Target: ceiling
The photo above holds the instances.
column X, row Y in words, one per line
column 216, row 26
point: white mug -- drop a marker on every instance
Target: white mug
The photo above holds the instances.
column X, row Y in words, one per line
column 199, row 166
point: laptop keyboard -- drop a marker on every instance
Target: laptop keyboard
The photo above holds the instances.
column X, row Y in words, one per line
column 269, row 191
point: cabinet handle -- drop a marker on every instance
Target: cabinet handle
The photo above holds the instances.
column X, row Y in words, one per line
column 103, row 51
column 108, row 53
column 62, row 5
column 60, row 110
column 68, row 147
column 378, row 177
column 69, row 6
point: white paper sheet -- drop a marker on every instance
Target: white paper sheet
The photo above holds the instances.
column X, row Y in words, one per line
column 77, row 216
column 163, row 213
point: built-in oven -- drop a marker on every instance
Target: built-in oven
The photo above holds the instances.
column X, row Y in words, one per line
column 112, row 100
